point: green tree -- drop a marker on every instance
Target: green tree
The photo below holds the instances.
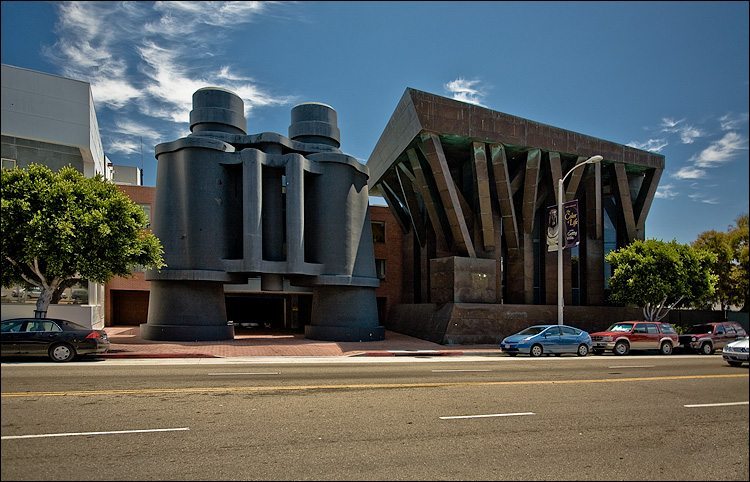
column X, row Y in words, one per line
column 731, row 265
column 61, row 226
column 739, row 235
column 658, row 276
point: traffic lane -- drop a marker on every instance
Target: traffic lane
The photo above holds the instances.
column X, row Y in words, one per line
column 56, row 377
column 618, row 430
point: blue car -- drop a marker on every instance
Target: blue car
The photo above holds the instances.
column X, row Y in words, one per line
column 554, row 339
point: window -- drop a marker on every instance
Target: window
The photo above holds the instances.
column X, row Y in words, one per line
column 45, row 326
column 552, row 331
column 621, row 327
column 570, row 331
column 378, row 232
column 147, row 211
column 380, row 268
column 13, row 326
column 8, row 163
column 640, row 329
column 667, row 328
column 719, row 330
column 731, row 330
column 651, row 328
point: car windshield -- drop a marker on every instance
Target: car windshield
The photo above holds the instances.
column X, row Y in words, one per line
column 700, row 329
column 621, row 327
column 533, row 330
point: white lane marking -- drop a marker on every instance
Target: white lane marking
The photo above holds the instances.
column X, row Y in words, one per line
column 489, row 415
column 11, row 437
column 633, row 366
column 246, row 373
column 716, row 404
column 444, row 371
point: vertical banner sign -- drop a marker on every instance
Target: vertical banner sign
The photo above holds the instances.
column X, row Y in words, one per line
column 552, row 228
column 569, row 222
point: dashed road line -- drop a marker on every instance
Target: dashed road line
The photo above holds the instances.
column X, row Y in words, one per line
column 74, row 434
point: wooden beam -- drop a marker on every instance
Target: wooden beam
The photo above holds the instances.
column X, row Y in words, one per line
column 555, row 167
column 415, row 215
column 626, row 204
column 405, row 171
column 517, row 181
column 504, row 195
column 575, row 180
column 429, row 203
column 465, row 207
column 396, row 206
column 645, row 198
column 482, row 181
column 435, row 156
column 530, row 187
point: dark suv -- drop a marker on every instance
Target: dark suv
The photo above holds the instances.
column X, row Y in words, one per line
column 707, row 337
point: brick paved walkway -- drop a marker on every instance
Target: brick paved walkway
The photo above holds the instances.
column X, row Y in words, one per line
column 127, row 343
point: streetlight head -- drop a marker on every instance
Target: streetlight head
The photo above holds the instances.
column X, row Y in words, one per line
column 594, row 159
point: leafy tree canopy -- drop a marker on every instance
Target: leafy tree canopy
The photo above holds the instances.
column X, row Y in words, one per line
column 62, row 225
column 730, row 249
column 658, row 276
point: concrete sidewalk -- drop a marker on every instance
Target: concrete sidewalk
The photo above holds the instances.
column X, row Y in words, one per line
column 127, row 343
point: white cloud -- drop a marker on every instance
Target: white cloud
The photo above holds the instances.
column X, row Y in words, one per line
column 177, row 19
column 113, row 92
column 653, row 145
column 687, row 133
column 700, row 197
column 140, row 63
column 465, row 91
column 689, row 172
column 132, row 128
column 666, row 191
column 124, row 146
column 721, row 151
column 668, row 123
column 731, row 122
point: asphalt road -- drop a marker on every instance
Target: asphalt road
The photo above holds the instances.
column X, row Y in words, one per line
column 445, row 418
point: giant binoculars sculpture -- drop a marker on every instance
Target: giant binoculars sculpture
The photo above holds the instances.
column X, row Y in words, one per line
column 230, row 206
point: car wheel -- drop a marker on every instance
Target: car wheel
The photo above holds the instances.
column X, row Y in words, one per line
column 62, row 352
column 707, row 349
column 583, row 350
column 666, row 348
column 621, row 348
column 734, row 363
column 536, row 350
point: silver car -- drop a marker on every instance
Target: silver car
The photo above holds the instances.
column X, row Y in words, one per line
column 735, row 353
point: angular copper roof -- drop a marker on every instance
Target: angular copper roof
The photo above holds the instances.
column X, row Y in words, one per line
column 419, row 111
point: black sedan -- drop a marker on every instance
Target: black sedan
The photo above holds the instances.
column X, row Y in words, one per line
column 61, row 340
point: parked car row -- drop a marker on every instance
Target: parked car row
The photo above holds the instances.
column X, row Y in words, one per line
column 623, row 337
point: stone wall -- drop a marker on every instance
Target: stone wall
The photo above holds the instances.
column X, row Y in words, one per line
column 475, row 323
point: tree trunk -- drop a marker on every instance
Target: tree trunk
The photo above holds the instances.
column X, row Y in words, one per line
column 42, row 303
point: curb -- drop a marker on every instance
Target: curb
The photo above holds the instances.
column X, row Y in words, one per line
column 410, row 353
column 156, row 355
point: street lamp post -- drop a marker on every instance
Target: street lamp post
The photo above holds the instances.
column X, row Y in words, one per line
column 561, row 236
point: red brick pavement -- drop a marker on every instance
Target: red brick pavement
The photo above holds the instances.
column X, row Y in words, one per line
column 127, row 343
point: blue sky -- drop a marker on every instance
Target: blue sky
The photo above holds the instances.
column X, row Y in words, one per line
column 671, row 77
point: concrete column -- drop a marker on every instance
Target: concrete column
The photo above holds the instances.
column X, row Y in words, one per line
column 295, row 209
